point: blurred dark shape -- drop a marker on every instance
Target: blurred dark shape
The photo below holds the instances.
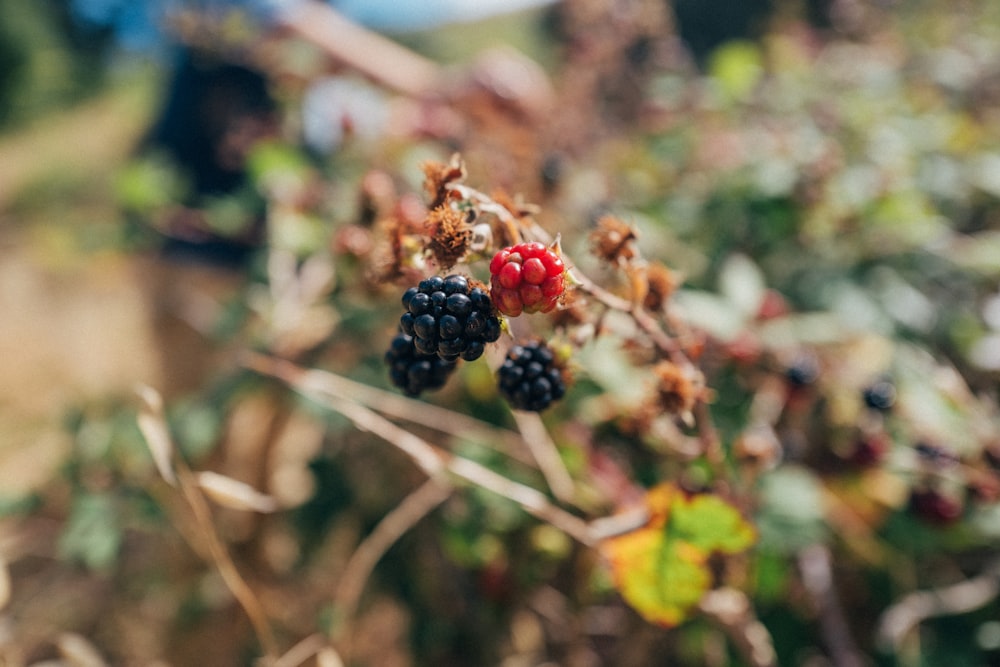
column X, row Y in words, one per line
column 703, row 25
column 213, row 114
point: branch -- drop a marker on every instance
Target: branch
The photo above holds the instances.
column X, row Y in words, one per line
column 394, row 405
column 392, row 526
column 817, row 576
column 731, row 609
column 960, row 598
column 174, row 470
column 546, row 454
column 434, row 461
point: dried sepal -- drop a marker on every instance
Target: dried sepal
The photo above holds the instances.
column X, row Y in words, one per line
column 438, row 176
column 613, row 239
column 449, row 235
column 234, row 494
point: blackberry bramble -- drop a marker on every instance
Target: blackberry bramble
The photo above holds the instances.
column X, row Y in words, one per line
column 529, row 377
column 411, row 370
column 527, row 277
column 450, row 318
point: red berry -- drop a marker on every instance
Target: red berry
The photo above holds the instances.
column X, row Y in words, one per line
column 527, row 277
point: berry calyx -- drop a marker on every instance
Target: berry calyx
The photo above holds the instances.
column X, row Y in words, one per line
column 530, row 378
column 527, row 277
column 413, row 371
column 449, row 317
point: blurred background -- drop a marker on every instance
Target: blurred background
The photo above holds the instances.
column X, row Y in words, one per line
column 181, row 181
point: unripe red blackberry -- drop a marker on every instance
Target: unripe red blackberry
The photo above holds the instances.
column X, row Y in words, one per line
column 529, row 377
column 527, row 277
column 413, row 371
column 449, row 317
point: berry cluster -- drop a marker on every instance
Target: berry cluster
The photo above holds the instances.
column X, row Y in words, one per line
column 449, row 318
column 527, row 277
column 413, row 371
column 529, row 377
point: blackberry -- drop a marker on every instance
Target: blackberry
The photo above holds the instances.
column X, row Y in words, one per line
column 529, row 377
column 880, row 395
column 411, row 370
column 449, row 317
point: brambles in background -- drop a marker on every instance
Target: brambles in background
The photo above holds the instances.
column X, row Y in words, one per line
column 935, row 506
column 449, row 317
column 530, row 378
column 413, row 371
column 869, row 450
column 527, row 277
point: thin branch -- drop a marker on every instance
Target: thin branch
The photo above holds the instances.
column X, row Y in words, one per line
column 731, row 609
column 305, row 649
column 393, row 525
column 394, row 405
column 434, row 461
column 546, row 454
column 174, row 470
column 959, row 598
column 224, row 562
column 817, row 576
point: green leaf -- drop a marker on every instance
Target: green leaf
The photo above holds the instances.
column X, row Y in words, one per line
column 93, row 534
column 736, row 67
column 661, row 569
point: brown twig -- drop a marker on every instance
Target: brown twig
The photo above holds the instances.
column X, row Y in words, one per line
column 546, row 454
column 394, row 405
column 959, row 598
column 224, row 562
column 433, row 460
column 817, row 576
column 731, row 609
column 392, row 526
column 175, row 471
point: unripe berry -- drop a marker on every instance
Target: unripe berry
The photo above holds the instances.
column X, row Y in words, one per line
column 527, row 277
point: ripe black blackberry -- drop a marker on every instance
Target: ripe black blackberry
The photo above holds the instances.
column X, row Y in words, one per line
column 880, row 395
column 413, row 371
column 529, row 377
column 450, row 318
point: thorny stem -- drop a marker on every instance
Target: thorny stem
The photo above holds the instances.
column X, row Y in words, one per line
column 388, row 403
column 224, row 562
column 392, row 526
column 432, row 460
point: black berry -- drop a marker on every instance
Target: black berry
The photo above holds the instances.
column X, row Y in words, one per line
column 529, row 377
column 414, row 371
column 880, row 395
column 449, row 317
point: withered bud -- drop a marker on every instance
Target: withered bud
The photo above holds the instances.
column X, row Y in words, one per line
column 437, row 177
column 612, row 240
column 662, row 284
column 450, row 235
column 678, row 388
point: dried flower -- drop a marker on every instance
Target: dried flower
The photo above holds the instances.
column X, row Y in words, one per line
column 450, row 235
column 437, row 176
column 662, row 284
column 612, row 240
column 678, row 388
